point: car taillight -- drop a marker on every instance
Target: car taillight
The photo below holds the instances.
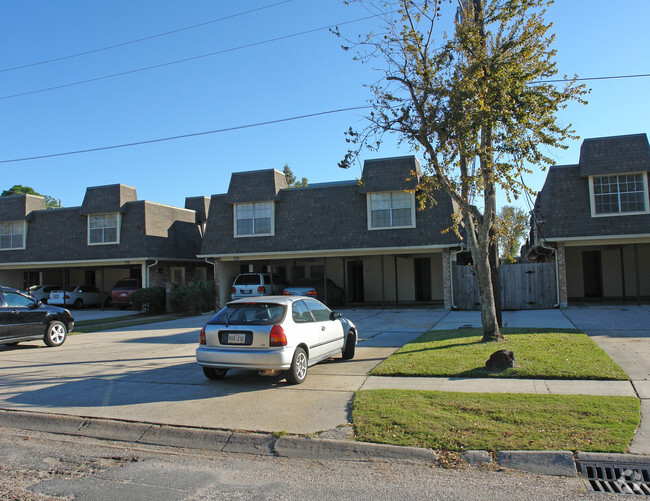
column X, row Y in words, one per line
column 66, row 297
column 278, row 337
column 260, row 289
column 202, row 336
column 286, row 293
column 312, row 293
column 234, row 290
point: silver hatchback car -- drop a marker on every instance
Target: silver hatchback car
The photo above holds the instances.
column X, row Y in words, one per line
column 274, row 334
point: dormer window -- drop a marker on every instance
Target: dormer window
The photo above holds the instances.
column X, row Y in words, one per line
column 391, row 209
column 12, row 235
column 103, row 229
column 619, row 194
column 254, row 219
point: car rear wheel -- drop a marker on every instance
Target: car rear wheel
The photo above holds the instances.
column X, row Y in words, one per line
column 55, row 334
column 298, row 372
column 79, row 304
column 350, row 345
column 212, row 373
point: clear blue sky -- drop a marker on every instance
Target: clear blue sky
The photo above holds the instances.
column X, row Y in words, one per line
column 291, row 77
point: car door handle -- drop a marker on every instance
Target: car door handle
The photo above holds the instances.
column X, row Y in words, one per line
column 15, row 312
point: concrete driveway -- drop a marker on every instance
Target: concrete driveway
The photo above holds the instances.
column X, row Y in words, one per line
column 149, row 374
column 624, row 333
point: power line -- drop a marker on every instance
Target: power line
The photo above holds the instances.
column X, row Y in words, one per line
column 224, row 51
column 184, row 136
column 131, row 42
column 585, row 79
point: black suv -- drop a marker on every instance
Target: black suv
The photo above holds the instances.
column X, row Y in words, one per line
column 24, row 319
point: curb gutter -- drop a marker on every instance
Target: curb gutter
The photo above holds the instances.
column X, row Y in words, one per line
column 558, row 463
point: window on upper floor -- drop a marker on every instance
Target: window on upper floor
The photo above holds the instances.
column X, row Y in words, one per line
column 254, row 219
column 104, row 229
column 12, row 235
column 391, row 209
column 619, row 194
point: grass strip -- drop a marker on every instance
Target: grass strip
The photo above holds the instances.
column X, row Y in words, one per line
column 464, row 421
column 539, row 353
column 102, row 324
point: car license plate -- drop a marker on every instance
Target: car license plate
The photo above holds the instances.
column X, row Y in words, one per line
column 246, row 291
column 236, row 338
column 123, row 294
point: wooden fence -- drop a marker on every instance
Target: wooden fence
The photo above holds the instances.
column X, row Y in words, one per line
column 527, row 286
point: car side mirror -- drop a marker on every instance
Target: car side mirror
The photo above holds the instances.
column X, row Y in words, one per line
column 34, row 305
column 334, row 315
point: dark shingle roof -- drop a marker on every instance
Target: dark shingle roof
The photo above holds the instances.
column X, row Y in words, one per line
column 255, row 186
column 18, row 207
column 615, row 155
column 109, row 198
column 564, row 211
column 147, row 230
column 200, row 205
column 328, row 216
column 387, row 174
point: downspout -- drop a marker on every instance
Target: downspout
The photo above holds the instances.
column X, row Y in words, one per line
column 148, row 284
column 213, row 265
column 451, row 275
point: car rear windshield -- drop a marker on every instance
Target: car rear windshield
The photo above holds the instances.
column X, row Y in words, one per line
column 126, row 285
column 247, row 280
column 250, row 314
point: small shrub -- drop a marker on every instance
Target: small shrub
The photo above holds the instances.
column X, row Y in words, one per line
column 151, row 299
column 194, row 298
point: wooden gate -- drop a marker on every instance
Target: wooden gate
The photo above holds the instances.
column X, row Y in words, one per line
column 527, row 286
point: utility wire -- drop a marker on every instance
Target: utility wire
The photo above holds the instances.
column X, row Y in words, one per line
column 131, row 42
column 183, row 136
column 254, row 44
column 585, row 79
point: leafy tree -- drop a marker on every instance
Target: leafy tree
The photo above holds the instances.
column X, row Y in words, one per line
column 511, row 226
column 474, row 103
column 292, row 182
column 18, row 189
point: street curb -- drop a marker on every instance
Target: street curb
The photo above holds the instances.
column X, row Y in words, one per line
column 557, row 463
column 316, row 448
column 617, row 459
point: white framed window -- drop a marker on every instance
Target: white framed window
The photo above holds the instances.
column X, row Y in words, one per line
column 254, row 219
column 391, row 209
column 104, row 229
column 12, row 235
column 619, row 194
column 177, row 274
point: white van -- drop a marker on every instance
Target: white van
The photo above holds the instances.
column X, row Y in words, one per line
column 256, row 284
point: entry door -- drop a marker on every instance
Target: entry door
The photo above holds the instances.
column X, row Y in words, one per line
column 355, row 281
column 592, row 273
column 422, row 267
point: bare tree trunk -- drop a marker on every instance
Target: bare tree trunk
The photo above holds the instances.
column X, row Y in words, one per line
column 480, row 257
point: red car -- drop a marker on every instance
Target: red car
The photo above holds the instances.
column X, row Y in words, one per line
column 121, row 293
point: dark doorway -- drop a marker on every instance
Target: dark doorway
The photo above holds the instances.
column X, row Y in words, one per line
column 355, row 281
column 422, row 268
column 592, row 273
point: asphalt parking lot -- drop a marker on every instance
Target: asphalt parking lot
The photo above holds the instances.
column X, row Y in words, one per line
column 149, row 374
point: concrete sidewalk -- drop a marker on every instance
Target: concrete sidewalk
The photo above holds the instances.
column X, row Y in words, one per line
column 502, row 385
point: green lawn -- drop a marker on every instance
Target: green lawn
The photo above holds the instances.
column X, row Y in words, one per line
column 102, row 324
column 540, row 354
column 463, row 421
